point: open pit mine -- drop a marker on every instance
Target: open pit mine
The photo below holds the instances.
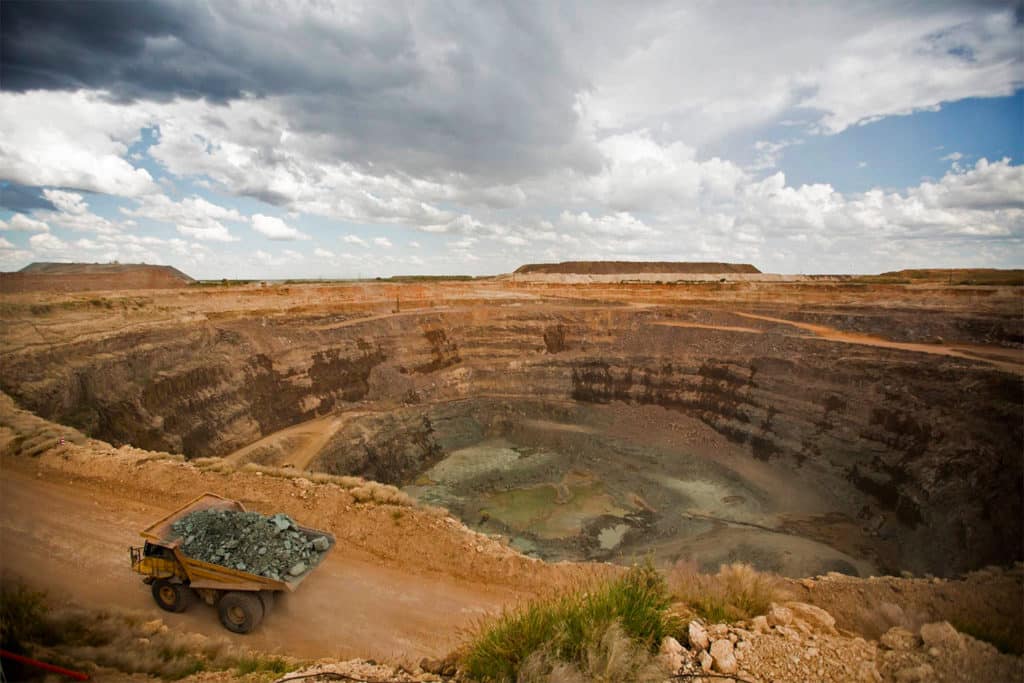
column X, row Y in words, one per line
column 462, row 438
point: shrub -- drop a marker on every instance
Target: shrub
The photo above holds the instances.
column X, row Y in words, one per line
column 736, row 592
column 578, row 629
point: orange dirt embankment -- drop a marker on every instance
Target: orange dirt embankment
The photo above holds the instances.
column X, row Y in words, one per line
column 83, row 277
column 403, row 582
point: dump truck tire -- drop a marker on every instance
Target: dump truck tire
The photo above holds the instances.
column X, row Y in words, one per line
column 173, row 597
column 267, row 598
column 240, row 612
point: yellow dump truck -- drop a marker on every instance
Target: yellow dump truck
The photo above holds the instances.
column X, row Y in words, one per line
column 242, row 599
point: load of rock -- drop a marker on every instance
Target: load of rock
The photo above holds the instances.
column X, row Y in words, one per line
column 272, row 546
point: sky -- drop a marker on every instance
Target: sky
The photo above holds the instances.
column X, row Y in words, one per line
column 251, row 139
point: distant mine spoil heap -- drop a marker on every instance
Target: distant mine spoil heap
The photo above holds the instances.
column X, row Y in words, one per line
column 630, row 267
column 83, row 277
column 630, row 272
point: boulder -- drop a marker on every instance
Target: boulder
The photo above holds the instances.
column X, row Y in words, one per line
column 671, row 654
column 705, row 661
column 941, row 635
column 818, row 619
column 722, row 656
column 898, row 638
column 779, row 616
column 698, row 636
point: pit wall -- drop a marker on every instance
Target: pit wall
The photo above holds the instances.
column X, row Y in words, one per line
column 926, row 447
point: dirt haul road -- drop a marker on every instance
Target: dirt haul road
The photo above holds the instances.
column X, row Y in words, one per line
column 72, row 541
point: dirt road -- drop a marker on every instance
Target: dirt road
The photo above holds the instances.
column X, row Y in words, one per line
column 72, row 541
column 1010, row 360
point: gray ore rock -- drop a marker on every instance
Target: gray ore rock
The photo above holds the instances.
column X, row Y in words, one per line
column 268, row 546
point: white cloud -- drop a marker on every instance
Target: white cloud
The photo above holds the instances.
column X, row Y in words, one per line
column 288, row 256
column 208, row 233
column 918, row 62
column 647, row 97
column 193, row 216
column 952, row 156
column 14, row 259
column 23, row 223
column 322, row 253
column 276, row 229
column 849, row 64
column 77, row 140
column 73, row 213
column 67, row 202
column 6, row 244
column 769, row 152
column 47, row 243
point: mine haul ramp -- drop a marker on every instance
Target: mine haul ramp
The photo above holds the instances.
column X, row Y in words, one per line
column 242, row 599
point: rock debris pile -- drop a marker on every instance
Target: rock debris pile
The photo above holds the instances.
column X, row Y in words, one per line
column 797, row 642
column 273, row 547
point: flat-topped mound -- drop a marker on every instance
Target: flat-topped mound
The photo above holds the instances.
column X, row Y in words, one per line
column 79, row 277
column 629, row 267
column 960, row 276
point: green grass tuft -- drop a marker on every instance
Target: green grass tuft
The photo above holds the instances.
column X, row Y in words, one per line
column 567, row 628
column 255, row 664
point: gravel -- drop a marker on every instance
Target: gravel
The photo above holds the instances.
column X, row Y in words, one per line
column 248, row 541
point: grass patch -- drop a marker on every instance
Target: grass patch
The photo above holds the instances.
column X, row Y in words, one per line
column 257, row 664
column 592, row 630
column 736, row 592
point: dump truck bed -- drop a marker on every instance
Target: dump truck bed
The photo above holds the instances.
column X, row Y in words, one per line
column 209, row 575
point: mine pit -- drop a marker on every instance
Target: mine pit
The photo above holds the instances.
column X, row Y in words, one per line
column 761, row 423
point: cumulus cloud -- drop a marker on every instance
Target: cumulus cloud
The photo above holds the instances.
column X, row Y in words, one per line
column 433, row 118
column 354, row 239
column 23, row 223
column 193, row 216
column 276, row 229
column 70, row 140
column 47, row 243
column 320, row 252
column 286, row 257
column 73, row 212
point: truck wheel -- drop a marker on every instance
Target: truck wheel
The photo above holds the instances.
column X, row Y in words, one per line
column 267, row 598
column 240, row 612
column 173, row 597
